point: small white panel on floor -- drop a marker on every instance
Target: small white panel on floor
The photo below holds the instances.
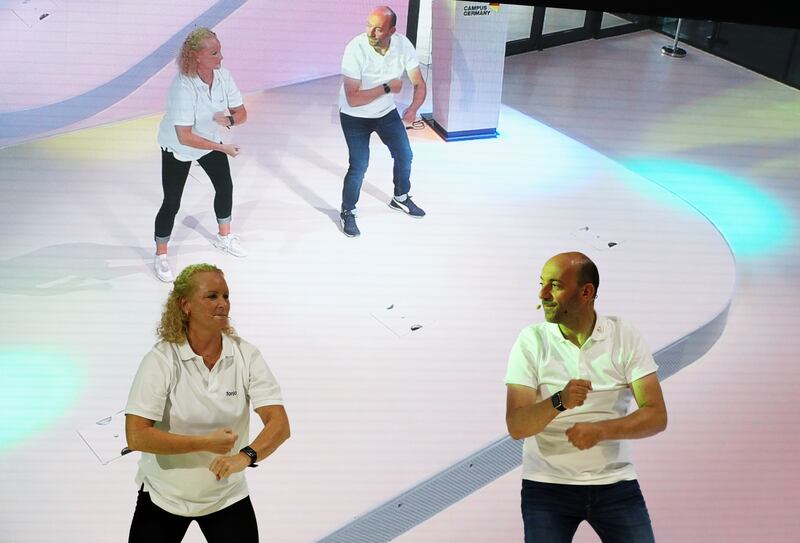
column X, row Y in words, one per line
column 597, row 238
column 106, row 437
column 402, row 320
column 31, row 12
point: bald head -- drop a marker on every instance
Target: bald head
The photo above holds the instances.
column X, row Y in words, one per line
column 581, row 265
column 387, row 13
column 569, row 286
column 586, row 270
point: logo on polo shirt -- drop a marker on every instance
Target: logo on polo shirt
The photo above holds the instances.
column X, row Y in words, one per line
column 232, row 393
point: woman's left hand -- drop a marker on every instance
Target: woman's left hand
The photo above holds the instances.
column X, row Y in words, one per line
column 225, row 466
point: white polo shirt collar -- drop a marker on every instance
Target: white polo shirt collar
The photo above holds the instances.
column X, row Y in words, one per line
column 186, row 353
column 599, row 333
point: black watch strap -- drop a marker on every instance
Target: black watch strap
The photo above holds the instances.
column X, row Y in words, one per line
column 230, row 119
column 386, row 88
column 252, row 454
column 556, row 399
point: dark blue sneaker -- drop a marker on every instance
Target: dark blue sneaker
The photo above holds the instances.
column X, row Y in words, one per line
column 408, row 207
column 349, row 224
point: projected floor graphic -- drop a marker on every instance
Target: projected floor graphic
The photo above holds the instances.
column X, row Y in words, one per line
column 378, row 410
column 682, row 251
column 42, row 106
column 360, row 398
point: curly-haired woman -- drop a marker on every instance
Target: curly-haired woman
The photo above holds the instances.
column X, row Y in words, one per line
column 188, row 413
column 203, row 97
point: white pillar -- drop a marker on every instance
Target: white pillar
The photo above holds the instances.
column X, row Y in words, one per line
column 469, row 43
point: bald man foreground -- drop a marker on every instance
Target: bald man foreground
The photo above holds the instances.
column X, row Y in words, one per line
column 372, row 66
column 569, row 383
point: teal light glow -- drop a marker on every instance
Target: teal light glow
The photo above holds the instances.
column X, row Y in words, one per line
column 752, row 222
column 38, row 387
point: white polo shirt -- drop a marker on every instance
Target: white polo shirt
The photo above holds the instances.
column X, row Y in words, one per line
column 174, row 388
column 361, row 61
column 613, row 357
column 192, row 103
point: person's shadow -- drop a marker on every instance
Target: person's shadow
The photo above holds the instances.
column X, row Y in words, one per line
column 304, row 144
column 71, row 267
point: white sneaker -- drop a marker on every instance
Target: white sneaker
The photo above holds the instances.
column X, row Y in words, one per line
column 161, row 265
column 230, row 244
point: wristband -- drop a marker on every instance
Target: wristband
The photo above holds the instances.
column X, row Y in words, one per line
column 556, row 399
column 230, row 119
column 251, row 454
column 386, row 88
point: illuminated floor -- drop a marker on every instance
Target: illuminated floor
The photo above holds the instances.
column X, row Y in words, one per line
column 374, row 413
column 728, row 140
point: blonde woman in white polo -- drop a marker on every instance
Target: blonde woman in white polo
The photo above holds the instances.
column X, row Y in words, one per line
column 203, row 99
column 188, row 413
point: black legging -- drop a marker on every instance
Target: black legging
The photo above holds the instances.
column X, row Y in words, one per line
column 151, row 524
column 173, row 178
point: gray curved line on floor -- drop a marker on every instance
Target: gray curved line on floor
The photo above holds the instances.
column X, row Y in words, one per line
column 415, row 506
column 53, row 116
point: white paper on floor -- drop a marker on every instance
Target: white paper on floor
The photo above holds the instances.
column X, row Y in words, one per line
column 402, row 320
column 598, row 239
column 32, row 12
column 106, row 437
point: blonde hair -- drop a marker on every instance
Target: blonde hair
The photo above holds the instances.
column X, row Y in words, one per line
column 187, row 63
column 174, row 322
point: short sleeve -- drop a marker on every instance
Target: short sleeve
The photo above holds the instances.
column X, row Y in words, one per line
column 639, row 359
column 352, row 63
column 182, row 98
column 151, row 387
column 232, row 93
column 522, row 361
column 263, row 388
column 410, row 59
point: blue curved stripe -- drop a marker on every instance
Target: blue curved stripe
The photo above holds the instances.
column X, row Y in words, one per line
column 53, row 116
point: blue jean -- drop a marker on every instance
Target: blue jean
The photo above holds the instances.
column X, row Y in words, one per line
column 617, row 512
column 392, row 132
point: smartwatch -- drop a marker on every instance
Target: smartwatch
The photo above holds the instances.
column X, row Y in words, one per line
column 252, row 454
column 556, row 399
column 230, row 120
column 386, row 88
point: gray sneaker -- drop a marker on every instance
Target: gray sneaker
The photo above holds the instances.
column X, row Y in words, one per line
column 349, row 226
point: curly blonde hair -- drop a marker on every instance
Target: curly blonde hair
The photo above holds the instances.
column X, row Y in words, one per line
column 191, row 45
column 174, row 323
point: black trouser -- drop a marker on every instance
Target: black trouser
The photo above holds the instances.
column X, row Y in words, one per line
column 151, row 524
column 173, row 178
